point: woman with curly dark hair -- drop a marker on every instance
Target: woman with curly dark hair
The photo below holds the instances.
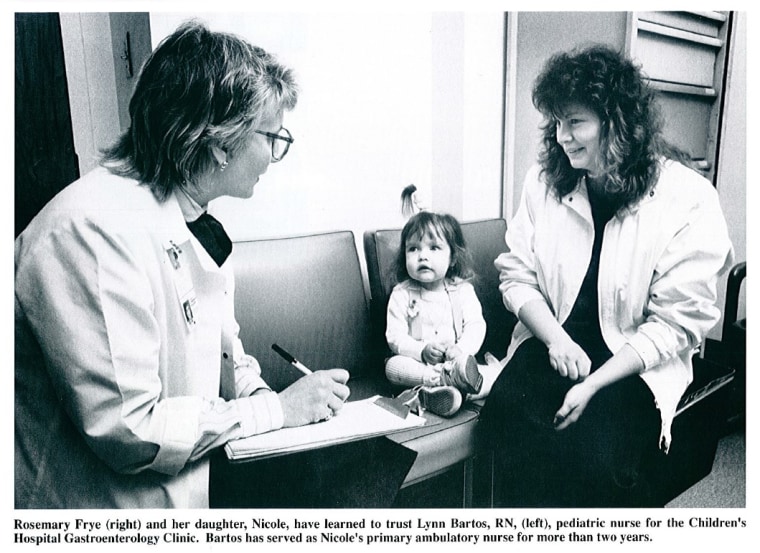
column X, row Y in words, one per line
column 612, row 265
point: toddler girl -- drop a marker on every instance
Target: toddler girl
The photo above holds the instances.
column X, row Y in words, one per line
column 435, row 322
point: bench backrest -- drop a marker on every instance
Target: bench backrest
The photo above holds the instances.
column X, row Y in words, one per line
column 307, row 295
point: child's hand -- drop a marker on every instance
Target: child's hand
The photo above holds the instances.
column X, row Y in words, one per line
column 434, row 353
column 452, row 352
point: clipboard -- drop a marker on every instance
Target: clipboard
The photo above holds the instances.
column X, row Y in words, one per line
column 356, row 420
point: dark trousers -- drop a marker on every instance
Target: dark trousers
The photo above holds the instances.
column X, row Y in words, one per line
column 595, row 462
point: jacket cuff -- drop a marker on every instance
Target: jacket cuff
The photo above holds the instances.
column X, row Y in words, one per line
column 260, row 413
column 179, row 433
column 646, row 349
column 249, row 383
column 516, row 297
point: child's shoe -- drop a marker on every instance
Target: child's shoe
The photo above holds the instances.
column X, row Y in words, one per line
column 463, row 374
column 411, row 398
column 444, row 401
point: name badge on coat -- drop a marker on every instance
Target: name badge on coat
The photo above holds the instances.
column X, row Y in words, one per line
column 183, row 283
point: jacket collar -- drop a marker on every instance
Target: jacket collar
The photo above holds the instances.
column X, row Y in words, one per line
column 191, row 209
column 578, row 201
column 176, row 213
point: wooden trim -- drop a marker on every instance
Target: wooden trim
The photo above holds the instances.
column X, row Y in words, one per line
column 631, row 32
column 679, row 88
column 467, row 482
column 722, row 80
column 639, row 26
column 510, row 101
column 92, row 88
column 672, row 32
column 715, row 16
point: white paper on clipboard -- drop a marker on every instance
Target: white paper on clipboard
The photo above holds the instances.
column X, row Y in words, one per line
column 356, row 420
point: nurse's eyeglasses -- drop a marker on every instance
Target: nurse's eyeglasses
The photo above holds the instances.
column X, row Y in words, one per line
column 280, row 142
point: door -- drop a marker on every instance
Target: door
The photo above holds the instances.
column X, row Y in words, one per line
column 44, row 144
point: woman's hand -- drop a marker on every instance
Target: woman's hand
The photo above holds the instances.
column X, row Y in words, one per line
column 434, row 353
column 568, row 359
column 314, row 397
column 575, row 403
column 626, row 362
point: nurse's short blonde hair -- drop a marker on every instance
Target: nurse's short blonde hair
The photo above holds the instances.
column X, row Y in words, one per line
column 197, row 89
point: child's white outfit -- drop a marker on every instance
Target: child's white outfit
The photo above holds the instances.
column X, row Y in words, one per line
column 417, row 316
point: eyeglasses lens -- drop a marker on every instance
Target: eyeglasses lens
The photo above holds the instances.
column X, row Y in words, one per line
column 280, row 147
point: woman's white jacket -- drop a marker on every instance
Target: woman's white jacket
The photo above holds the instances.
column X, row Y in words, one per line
column 658, row 271
column 111, row 379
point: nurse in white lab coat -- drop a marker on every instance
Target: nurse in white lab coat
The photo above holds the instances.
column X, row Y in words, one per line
column 128, row 366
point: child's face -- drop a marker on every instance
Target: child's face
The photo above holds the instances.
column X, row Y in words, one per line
column 428, row 258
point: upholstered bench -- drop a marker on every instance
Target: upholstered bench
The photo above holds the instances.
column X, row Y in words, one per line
column 308, row 295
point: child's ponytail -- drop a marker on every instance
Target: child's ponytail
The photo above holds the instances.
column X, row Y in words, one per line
column 408, row 206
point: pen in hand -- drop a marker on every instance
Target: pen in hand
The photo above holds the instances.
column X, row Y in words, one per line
column 290, row 359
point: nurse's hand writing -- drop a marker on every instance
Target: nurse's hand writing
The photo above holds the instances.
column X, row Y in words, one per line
column 315, row 397
column 576, row 400
column 568, row 359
